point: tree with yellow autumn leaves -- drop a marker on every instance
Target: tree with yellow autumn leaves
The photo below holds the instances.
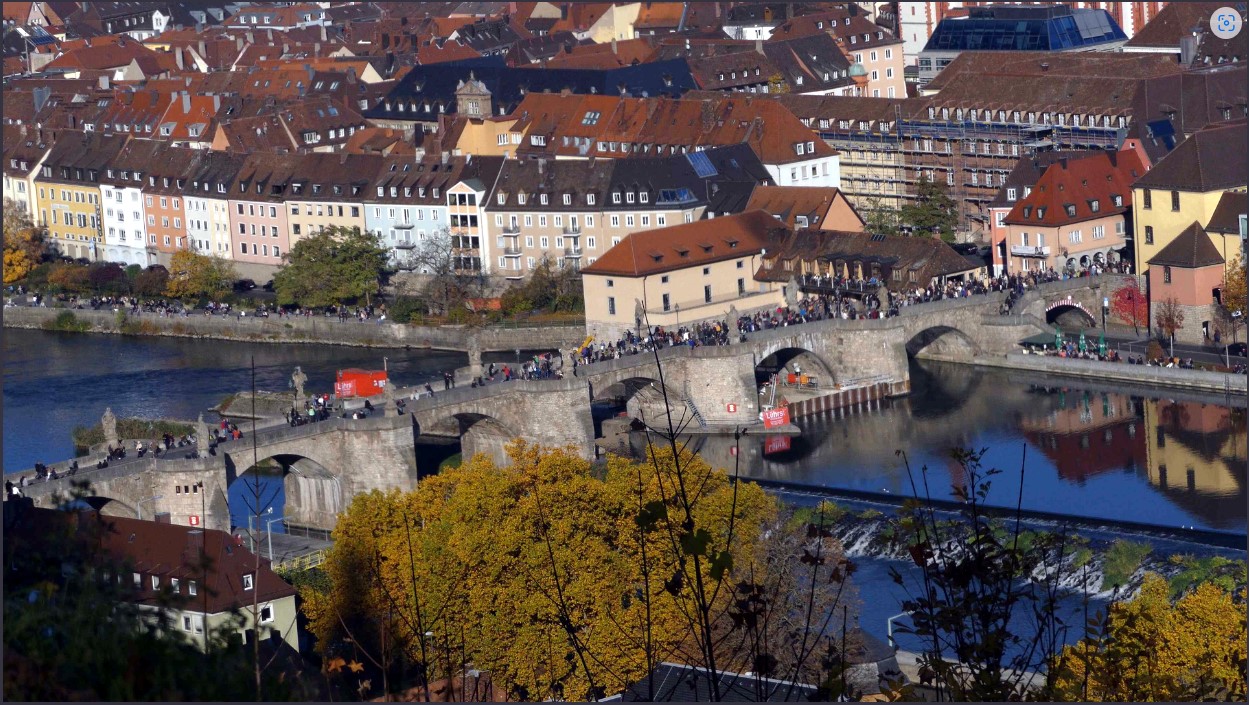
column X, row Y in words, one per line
column 568, row 582
column 24, row 243
column 1151, row 648
column 193, row 275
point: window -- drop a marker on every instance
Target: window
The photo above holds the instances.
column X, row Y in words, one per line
column 628, row 221
column 611, row 305
column 1148, row 200
column 1149, row 234
column 667, row 302
column 173, row 585
column 266, row 614
column 1175, row 200
column 589, row 198
column 707, row 294
column 138, row 580
column 615, row 221
column 248, row 581
column 1076, row 237
column 1166, row 275
column 156, row 578
column 545, row 242
column 663, row 279
column 1011, row 194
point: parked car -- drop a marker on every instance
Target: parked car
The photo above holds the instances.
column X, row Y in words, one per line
column 268, row 286
column 244, row 285
column 1238, row 349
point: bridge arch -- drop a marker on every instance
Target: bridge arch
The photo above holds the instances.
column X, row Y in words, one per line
column 797, row 359
column 1069, row 311
column 943, row 341
column 106, row 506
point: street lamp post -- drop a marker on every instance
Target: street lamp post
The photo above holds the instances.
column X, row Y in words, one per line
column 139, row 506
column 889, row 626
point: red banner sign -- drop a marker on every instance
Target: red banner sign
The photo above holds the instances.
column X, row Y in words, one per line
column 345, row 389
column 774, row 418
column 194, row 520
column 776, row 444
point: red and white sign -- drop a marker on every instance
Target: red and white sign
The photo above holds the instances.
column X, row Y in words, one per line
column 733, row 451
column 194, row 520
column 731, row 408
column 776, row 444
column 775, row 418
column 345, row 389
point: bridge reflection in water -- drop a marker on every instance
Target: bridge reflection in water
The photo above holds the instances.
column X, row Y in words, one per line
column 1091, row 453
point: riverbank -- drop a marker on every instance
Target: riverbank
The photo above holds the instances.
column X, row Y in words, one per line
column 1227, row 384
column 312, row 329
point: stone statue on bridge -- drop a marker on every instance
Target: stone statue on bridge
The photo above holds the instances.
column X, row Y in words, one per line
column 202, row 438
column 299, row 379
column 109, row 423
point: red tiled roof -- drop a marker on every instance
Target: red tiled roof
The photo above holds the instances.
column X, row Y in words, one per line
column 686, row 245
column 1067, row 190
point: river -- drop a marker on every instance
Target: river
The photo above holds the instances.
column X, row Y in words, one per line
column 1146, row 457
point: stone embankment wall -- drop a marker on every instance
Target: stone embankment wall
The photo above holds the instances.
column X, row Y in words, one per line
column 1161, row 377
column 315, row 329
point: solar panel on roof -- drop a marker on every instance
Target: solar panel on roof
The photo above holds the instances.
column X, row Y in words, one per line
column 703, row 167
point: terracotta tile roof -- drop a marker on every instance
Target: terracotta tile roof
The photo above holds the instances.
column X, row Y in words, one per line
column 264, row 133
column 658, row 15
column 433, row 50
column 788, row 202
column 1201, row 164
column 835, row 22
column 1027, row 171
column 100, row 55
column 686, row 245
column 768, row 127
column 1069, row 188
column 379, row 140
column 19, row 12
column 152, row 549
column 1226, row 217
column 1190, row 249
column 1173, row 22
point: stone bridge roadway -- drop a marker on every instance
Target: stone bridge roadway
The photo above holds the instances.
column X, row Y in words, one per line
column 328, row 463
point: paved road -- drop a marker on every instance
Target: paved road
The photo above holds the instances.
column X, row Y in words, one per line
column 1127, row 342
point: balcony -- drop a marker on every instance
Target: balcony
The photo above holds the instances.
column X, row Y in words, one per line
column 405, row 245
column 511, row 229
column 572, row 251
column 572, row 229
column 511, row 252
column 1029, row 251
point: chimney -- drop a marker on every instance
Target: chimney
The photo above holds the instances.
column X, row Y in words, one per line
column 445, row 156
column 203, row 50
column 1045, row 66
column 251, row 38
column 238, row 44
column 759, row 46
column 216, row 103
column 186, row 102
column 323, row 35
column 269, row 34
column 613, row 45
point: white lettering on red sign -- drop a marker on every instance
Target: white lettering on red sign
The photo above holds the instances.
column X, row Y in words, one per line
column 194, row 520
column 731, row 408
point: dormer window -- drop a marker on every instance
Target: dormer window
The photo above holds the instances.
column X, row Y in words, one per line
column 615, row 197
column 589, row 199
column 1027, row 211
column 800, row 149
column 1040, row 213
column 542, row 199
column 643, row 197
column 629, row 197
column 568, row 199
column 1095, row 206
column 249, row 581
column 520, row 198
column 1118, row 201
column 1071, row 210
column 502, row 198
column 316, row 189
column 381, row 191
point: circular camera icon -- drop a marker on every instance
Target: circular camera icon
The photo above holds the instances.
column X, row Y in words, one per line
column 1225, row 22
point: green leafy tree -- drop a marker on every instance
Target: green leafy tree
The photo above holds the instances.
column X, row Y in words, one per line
column 1233, row 306
column 193, row 275
column 932, row 212
column 548, row 289
column 334, row 266
column 879, row 218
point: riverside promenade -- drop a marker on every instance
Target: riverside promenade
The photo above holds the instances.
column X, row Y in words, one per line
column 311, row 329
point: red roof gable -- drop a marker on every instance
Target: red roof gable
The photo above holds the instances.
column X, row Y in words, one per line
column 1070, row 190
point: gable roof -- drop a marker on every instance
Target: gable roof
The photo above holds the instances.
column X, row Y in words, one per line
column 695, row 244
column 1067, row 190
column 1172, row 23
column 1226, row 217
column 214, row 559
column 1190, row 249
column 786, row 203
column 1201, row 164
column 1027, row 171
column 927, row 257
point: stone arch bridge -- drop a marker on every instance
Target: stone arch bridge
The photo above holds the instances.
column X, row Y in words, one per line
column 328, row 463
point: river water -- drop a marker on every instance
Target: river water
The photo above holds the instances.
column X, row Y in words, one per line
column 1142, row 457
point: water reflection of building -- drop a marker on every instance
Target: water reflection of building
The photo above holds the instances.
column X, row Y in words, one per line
column 1196, row 458
column 1089, row 433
